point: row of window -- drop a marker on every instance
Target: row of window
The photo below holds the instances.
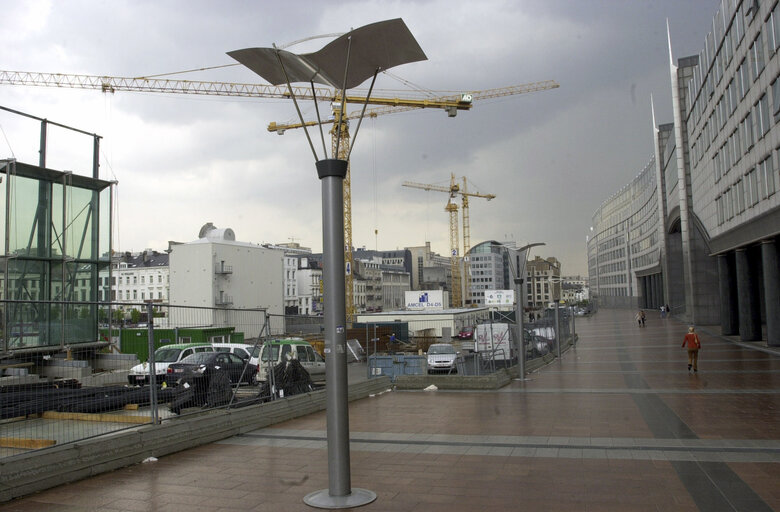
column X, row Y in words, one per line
column 125, row 295
column 645, row 243
column 717, row 60
column 612, row 255
column 645, row 260
column 618, row 266
column 616, row 279
column 119, row 279
column 757, row 184
column 753, row 127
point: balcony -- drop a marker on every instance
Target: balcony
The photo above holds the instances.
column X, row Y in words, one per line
column 223, row 300
column 222, row 269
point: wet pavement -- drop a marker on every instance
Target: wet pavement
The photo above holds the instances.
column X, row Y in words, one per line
column 619, row 424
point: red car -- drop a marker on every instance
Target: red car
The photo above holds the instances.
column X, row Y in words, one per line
column 467, row 333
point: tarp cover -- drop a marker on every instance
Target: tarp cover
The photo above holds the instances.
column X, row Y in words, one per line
column 378, row 46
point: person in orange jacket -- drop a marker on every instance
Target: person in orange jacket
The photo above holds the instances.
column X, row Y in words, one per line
column 691, row 340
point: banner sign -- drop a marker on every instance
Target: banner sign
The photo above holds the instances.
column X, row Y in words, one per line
column 499, row 297
column 430, row 299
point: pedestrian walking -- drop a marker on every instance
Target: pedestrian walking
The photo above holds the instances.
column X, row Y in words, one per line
column 691, row 341
column 638, row 318
column 663, row 311
column 642, row 317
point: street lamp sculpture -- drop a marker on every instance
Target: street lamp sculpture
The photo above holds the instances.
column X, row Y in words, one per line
column 557, row 280
column 519, row 278
column 344, row 63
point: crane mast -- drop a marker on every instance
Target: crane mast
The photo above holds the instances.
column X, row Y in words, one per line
column 455, row 190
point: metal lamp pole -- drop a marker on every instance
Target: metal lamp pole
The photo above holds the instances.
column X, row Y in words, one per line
column 340, row 493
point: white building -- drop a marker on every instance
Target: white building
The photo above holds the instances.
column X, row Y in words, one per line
column 139, row 277
column 216, row 271
column 292, row 253
column 309, row 286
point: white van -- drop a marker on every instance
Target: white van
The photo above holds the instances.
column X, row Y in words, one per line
column 274, row 352
column 243, row 350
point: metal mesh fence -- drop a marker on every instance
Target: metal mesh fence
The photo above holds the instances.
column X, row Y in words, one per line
column 108, row 366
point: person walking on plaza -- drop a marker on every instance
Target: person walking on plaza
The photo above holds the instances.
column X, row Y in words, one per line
column 638, row 318
column 642, row 317
column 691, row 340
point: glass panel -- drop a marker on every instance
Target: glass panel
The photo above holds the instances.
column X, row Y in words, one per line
column 80, row 315
column 104, row 236
column 30, row 199
column 80, row 213
column 57, row 224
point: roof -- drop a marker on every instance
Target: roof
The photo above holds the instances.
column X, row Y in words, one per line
column 424, row 312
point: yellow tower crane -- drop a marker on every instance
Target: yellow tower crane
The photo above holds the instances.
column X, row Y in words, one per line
column 454, row 190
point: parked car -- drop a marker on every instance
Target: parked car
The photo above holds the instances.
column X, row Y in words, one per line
column 164, row 356
column 233, row 365
column 275, row 351
column 466, row 333
column 242, row 350
column 442, row 357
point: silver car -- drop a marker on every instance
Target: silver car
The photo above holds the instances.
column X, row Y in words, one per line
column 442, row 358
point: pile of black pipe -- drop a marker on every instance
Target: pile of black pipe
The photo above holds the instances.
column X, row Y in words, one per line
column 209, row 387
column 19, row 401
column 289, row 378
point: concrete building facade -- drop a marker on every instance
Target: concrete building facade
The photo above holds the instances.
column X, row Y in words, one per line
column 715, row 186
column 216, row 271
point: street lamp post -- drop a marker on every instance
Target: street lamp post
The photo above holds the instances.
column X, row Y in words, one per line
column 553, row 281
column 345, row 62
column 519, row 301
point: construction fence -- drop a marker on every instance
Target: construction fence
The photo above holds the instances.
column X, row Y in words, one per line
column 72, row 371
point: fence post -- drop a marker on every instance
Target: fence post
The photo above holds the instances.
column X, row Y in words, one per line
column 152, row 366
column 557, row 331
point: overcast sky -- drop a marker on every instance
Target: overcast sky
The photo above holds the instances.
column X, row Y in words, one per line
column 550, row 157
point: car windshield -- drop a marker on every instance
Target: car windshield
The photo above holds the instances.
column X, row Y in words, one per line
column 254, row 351
column 441, row 349
column 270, row 352
column 199, row 358
column 167, row 355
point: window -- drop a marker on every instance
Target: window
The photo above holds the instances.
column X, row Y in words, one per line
column 757, row 56
column 719, row 209
column 773, row 28
column 743, row 81
column 739, row 187
column 762, row 116
column 731, row 95
column 747, row 131
column 766, row 178
column 751, row 187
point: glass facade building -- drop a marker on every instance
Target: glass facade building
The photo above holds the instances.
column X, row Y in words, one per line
column 57, row 241
column 715, row 184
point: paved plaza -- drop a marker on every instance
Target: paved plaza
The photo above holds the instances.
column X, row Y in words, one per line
column 618, row 424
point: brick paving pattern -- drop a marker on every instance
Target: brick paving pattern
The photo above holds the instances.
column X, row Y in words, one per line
column 618, row 424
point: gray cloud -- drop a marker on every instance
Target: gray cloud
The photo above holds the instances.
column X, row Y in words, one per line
column 551, row 157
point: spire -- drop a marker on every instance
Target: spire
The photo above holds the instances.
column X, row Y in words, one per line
column 669, row 42
column 652, row 114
